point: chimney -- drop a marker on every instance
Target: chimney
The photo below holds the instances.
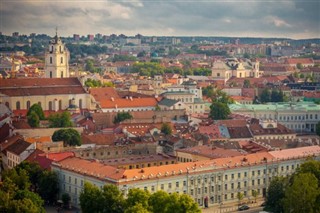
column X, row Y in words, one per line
column 112, row 99
column 131, row 98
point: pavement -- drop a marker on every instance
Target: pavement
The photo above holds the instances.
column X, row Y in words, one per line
column 233, row 207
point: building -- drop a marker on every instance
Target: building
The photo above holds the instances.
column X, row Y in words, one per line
column 299, row 116
column 57, row 59
column 211, row 181
column 188, row 94
column 52, row 94
column 17, row 152
column 232, row 67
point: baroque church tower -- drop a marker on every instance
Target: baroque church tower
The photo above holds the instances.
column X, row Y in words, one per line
column 57, row 59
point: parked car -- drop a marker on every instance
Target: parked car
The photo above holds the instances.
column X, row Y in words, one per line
column 244, row 207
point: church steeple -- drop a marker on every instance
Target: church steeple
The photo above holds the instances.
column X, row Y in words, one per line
column 57, row 59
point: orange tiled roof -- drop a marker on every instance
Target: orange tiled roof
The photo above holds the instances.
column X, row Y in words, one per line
column 103, row 93
column 128, row 103
column 295, row 61
column 42, row 139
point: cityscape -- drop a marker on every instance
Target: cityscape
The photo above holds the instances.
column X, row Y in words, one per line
column 159, row 106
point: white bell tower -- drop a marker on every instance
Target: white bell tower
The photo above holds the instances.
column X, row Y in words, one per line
column 56, row 59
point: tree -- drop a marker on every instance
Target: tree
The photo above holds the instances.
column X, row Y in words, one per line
column 275, row 195
column 33, row 119
column 265, row 96
column 299, row 66
column 60, row 120
column 136, row 196
column 49, row 186
column 246, row 83
column 255, row 195
column 240, row 197
column 219, row 111
column 318, row 128
column 65, row 197
column 185, row 205
column 166, row 129
column 70, row 137
column 38, row 110
column 91, row 199
column 138, row 208
column 301, row 196
column 121, row 116
column 113, row 200
column 159, row 202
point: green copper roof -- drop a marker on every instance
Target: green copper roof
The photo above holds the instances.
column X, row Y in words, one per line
column 304, row 106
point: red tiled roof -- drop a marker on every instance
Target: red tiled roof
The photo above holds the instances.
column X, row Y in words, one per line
column 127, row 103
column 103, row 93
column 295, row 61
column 210, row 152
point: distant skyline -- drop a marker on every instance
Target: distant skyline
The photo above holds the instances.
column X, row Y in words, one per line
column 296, row 19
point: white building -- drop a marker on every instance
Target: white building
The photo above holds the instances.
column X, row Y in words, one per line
column 189, row 94
column 232, row 67
column 57, row 59
column 299, row 116
column 211, row 181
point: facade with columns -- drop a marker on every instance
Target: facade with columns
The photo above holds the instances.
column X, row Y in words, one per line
column 57, row 59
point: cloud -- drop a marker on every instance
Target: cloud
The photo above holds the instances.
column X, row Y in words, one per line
column 235, row 18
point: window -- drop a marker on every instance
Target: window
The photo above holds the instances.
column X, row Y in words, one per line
column 258, row 172
column 28, row 104
column 226, row 177
column 232, row 185
column 75, row 181
column 61, row 60
column 239, row 175
column 232, row 176
column 60, row 104
column 177, row 184
column 252, row 173
column 145, row 188
column 61, row 74
column 225, row 186
column 162, row 186
column 69, row 179
column 245, row 174
column 212, row 188
column 50, row 60
column 50, row 74
column 191, row 191
column 245, row 183
column 226, row 197
column 169, row 185
column 80, row 103
column 252, row 182
column 184, row 183
column 152, row 188
column 199, row 190
column 18, row 105
column 50, row 105
column 205, row 189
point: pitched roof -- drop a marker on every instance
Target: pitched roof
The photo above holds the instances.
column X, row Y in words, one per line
column 18, row 147
column 40, row 86
column 210, row 152
column 103, row 93
column 168, row 102
column 128, row 103
column 295, row 61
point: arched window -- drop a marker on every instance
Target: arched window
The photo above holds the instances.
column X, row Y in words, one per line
column 50, row 105
column 28, row 104
column 18, row 105
column 50, row 74
column 60, row 104
column 61, row 74
column 80, row 103
column 61, row 60
column 50, row 60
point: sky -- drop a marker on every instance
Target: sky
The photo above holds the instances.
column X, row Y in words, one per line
column 296, row 19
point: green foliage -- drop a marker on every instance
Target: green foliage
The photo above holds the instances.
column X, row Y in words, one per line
column 38, row 110
column 121, row 116
column 240, row 197
column 138, row 196
column 81, row 49
column 318, row 128
column 301, row 195
column 93, row 83
column 91, row 67
column 255, row 195
column 299, row 66
column 110, row 199
column 65, row 197
column 33, row 119
column 277, row 96
column 60, row 120
column 49, row 186
column 219, row 111
column 275, row 195
column 265, row 96
column 166, row 129
column 217, row 95
column 123, row 58
column 70, row 137
column 15, row 195
column 148, row 68
column 246, row 83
